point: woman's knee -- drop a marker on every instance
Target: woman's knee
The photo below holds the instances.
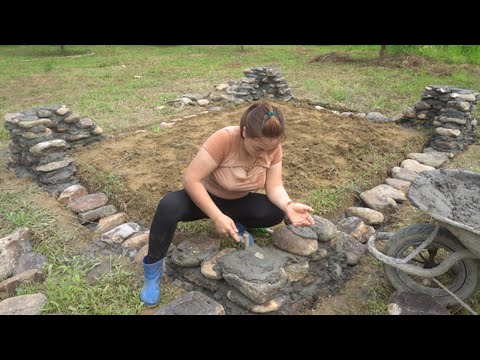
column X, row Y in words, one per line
column 169, row 205
column 277, row 215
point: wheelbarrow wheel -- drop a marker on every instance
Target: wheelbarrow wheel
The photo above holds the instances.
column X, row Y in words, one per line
column 461, row 279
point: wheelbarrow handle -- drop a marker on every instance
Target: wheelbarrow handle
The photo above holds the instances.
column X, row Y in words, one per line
column 442, row 268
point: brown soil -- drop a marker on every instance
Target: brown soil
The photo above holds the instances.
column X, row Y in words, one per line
column 322, row 151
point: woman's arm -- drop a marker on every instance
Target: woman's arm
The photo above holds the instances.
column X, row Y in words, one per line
column 200, row 167
column 276, row 193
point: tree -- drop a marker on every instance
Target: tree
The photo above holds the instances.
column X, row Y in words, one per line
column 383, row 50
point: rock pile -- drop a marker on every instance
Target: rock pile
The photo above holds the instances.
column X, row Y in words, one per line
column 449, row 110
column 40, row 138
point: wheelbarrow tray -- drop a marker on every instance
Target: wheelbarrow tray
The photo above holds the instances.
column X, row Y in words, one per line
column 452, row 197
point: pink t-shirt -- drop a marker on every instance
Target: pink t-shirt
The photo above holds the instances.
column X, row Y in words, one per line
column 230, row 180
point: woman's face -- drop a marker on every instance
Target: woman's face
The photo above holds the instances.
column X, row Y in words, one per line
column 260, row 145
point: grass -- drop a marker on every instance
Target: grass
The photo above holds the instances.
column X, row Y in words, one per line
column 104, row 85
column 4, row 134
column 109, row 183
column 17, row 212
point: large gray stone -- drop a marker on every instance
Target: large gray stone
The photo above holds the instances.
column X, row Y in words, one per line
column 433, row 159
column 369, row 216
column 254, row 272
column 30, row 260
column 9, row 286
column 286, row 240
column 192, row 252
column 12, row 248
column 192, row 303
column 88, row 202
column 31, row 304
column 409, row 303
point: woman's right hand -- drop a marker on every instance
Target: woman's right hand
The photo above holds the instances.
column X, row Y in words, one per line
column 226, row 227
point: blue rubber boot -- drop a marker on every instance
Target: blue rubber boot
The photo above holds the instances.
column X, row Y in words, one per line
column 241, row 230
column 150, row 293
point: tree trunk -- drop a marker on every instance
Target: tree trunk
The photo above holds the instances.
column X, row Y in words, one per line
column 383, row 49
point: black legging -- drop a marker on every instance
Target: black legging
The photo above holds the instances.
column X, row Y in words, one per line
column 253, row 210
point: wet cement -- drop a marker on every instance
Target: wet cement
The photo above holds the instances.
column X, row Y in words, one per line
column 453, row 194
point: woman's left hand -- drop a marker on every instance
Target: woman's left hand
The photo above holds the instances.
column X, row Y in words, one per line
column 299, row 214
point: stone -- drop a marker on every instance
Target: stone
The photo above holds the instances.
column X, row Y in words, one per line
column 195, row 276
column 401, row 185
column 119, row 234
column 403, row 174
column 448, row 132
column 432, row 159
column 192, row 303
column 369, row 216
column 63, row 110
column 30, row 124
column 269, row 306
column 28, row 261
column 221, row 87
column 191, row 252
column 12, row 248
column 382, row 197
column 375, row 117
column 356, row 228
column 324, row 228
column 353, row 249
column 209, row 267
column 46, row 147
column 415, row 166
column 108, row 223
column 95, row 214
column 254, row 272
column 137, row 241
column 55, row 165
column 88, row 202
column 85, row 123
column 8, row 287
column 203, row 102
column 296, row 271
column 72, row 118
column 409, row 303
column 97, row 130
column 286, row 240
column 141, row 254
column 72, row 193
column 31, row 304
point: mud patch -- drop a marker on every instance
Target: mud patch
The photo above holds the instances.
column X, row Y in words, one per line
column 322, row 151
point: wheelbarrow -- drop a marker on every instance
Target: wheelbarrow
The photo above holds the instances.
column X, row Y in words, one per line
column 440, row 259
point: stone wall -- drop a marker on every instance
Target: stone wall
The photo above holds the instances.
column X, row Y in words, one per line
column 449, row 110
column 41, row 138
column 258, row 83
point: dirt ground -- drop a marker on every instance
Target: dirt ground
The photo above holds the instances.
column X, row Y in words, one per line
column 322, row 151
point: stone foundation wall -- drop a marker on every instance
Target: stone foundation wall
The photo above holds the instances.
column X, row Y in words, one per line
column 258, row 83
column 449, row 110
column 40, row 139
